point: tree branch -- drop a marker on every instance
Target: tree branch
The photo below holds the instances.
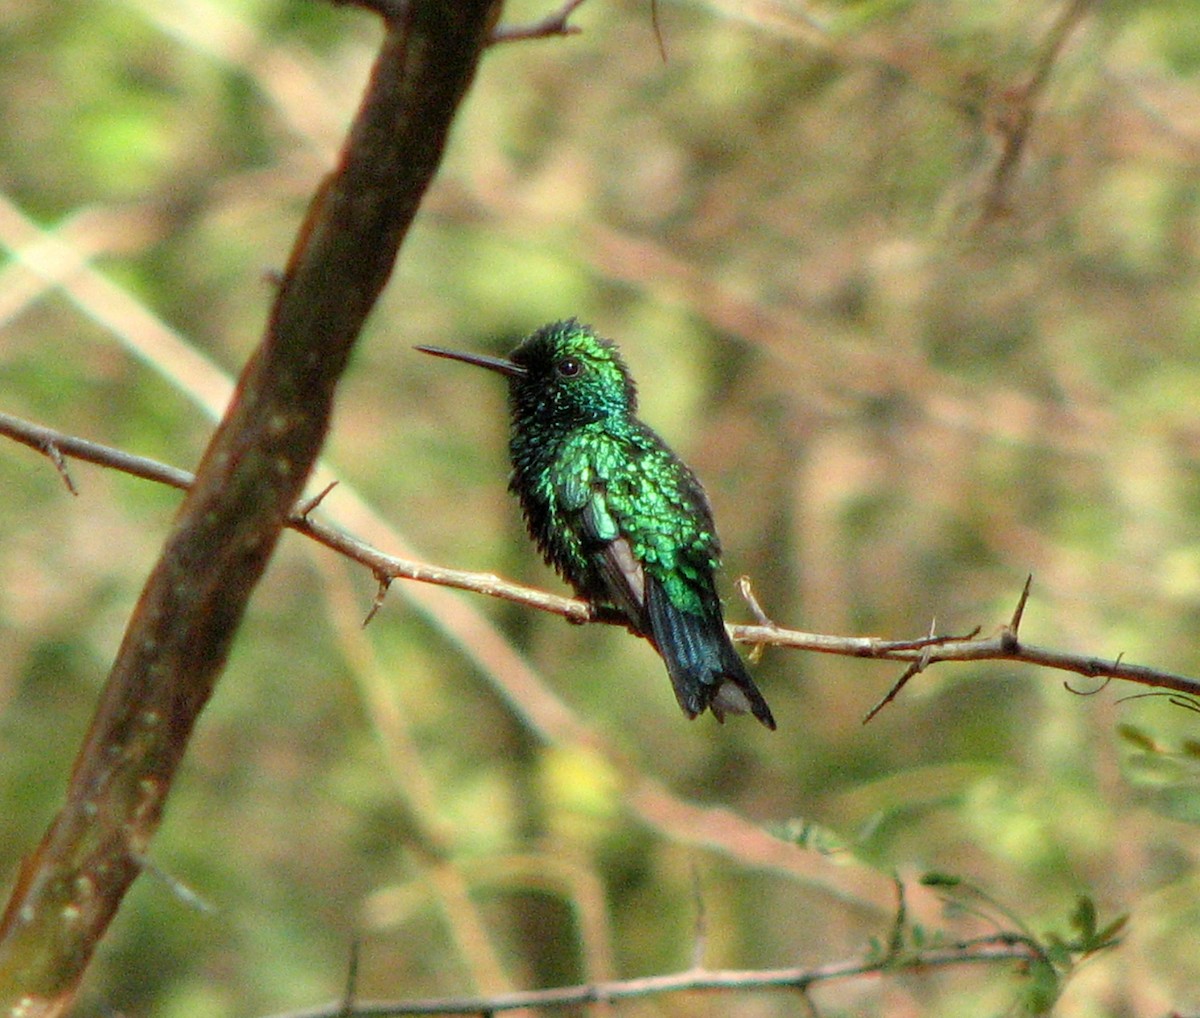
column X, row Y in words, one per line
column 555, row 23
column 983, row 950
column 1019, row 107
column 918, row 654
column 249, row 478
column 1045, row 963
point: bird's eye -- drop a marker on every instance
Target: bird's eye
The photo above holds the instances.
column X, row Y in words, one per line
column 568, row 367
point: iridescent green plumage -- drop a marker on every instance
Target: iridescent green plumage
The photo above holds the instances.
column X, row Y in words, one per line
column 622, row 518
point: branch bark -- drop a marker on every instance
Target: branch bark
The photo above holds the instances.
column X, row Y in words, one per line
column 250, row 476
column 1004, row 644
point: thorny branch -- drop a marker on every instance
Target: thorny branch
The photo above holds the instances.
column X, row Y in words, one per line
column 918, row 654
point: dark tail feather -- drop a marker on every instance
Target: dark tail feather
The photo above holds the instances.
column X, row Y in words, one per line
column 705, row 670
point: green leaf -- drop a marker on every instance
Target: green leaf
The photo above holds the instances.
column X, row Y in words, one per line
column 1058, row 951
column 1107, row 937
column 1136, row 737
column 936, row 879
column 1083, row 919
column 1041, row 990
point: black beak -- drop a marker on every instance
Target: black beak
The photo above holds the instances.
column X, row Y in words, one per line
column 498, row 364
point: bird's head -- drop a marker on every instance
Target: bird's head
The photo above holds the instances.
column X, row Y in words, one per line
column 562, row 373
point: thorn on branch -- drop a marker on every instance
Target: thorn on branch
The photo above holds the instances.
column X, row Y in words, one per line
column 909, row 672
column 306, row 506
column 554, row 24
column 1014, row 624
column 919, row 665
column 1008, row 635
column 384, row 583
column 54, row 454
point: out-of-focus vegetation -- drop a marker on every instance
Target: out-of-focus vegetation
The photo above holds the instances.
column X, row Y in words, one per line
column 899, row 409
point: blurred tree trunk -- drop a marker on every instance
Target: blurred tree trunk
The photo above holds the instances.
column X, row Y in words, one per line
column 253, row 471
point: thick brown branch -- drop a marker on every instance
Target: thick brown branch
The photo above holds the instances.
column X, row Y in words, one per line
column 254, row 469
column 918, row 653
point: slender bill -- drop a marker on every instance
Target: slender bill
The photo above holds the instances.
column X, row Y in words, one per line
column 499, row 364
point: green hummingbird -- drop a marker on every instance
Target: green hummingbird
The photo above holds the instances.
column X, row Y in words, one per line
column 616, row 512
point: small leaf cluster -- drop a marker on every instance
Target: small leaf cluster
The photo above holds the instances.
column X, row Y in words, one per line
column 1047, row 961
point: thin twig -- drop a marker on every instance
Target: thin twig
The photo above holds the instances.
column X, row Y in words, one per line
column 656, row 24
column 556, row 23
column 746, row 588
column 700, row 937
column 350, row 993
column 44, row 440
column 921, row 652
column 914, row 668
column 1020, row 104
column 987, row 950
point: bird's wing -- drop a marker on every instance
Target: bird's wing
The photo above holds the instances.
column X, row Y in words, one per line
column 613, row 558
column 585, row 497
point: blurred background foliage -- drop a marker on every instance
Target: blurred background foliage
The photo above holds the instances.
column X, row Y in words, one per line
column 900, row 406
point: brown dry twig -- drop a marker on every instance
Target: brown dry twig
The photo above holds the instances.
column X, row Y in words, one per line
column 917, row 654
column 916, row 667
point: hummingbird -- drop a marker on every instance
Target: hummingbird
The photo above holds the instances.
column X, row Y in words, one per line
column 620, row 517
